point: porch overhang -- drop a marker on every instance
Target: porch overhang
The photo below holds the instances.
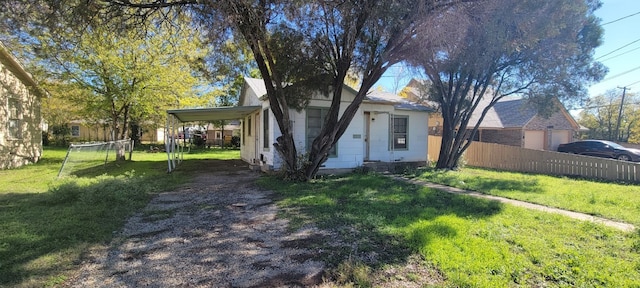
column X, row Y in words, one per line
column 212, row 114
column 175, row 151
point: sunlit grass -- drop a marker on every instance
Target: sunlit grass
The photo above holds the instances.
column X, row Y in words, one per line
column 46, row 223
column 473, row 242
column 610, row 200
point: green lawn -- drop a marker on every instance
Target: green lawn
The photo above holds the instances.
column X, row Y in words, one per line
column 47, row 223
column 472, row 242
column 609, row 200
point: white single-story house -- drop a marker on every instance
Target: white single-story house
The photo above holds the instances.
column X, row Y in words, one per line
column 386, row 129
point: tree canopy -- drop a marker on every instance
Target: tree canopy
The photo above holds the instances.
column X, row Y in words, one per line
column 470, row 50
column 602, row 112
column 539, row 50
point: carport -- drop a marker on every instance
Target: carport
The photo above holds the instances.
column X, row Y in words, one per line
column 176, row 117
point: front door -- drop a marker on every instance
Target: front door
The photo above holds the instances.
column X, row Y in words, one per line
column 256, row 132
column 367, row 127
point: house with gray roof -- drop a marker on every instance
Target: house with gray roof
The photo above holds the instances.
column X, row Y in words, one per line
column 385, row 129
column 512, row 121
column 515, row 122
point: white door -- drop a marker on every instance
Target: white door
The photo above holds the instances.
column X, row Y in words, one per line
column 559, row 137
column 256, row 133
column 367, row 125
column 534, row 140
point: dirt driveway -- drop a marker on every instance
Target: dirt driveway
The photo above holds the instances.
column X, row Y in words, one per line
column 219, row 230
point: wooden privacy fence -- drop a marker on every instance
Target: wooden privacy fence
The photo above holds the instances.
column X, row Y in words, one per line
column 510, row 158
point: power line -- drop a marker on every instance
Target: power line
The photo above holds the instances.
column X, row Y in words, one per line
column 620, row 18
column 618, row 75
column 616, row 50
column 602, row 106
column 633, row 83
column 616, row 56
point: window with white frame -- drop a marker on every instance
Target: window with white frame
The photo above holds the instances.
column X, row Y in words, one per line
column 15, row 118
column 315, row 120
column 400, row 126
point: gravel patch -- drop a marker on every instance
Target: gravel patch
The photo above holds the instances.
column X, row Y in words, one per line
column 220, row 230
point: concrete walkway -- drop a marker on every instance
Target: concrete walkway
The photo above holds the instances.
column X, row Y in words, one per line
column 576, row 215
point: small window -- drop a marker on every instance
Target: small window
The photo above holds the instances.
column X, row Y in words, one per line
column 75, row 131
column 15, row 118
column 249, row 126
column 400, row 132
column 244, row 127
column 265, row 127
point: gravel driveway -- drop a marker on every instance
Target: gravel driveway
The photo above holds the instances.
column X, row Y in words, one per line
column 219, row 230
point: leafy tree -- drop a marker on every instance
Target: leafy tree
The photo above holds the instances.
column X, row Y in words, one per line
column 601, row 115
column 305, row 46
column 299, row 47
column 130, row 76
column 539, row 49
column 58, row 110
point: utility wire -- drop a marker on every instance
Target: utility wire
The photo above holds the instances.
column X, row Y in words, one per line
column 618, row 75
column 616, row 56
column 633, row 83
column 620, row 18
column 602, row 106
column 616, row 50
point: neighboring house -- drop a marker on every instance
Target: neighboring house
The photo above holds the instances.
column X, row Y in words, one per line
column 83, row 131
column 215, row 135
column 385, row 129
column 418, row 91
column 20, row 118
column 512, row 121
column 515, row 122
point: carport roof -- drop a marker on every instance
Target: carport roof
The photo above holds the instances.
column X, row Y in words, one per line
column 212, row 114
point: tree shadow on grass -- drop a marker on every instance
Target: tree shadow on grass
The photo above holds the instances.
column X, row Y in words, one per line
column 482, row 184
column 160, row 168
column 378, row 220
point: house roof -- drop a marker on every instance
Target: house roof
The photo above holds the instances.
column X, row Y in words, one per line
column 17, row 69
column 512, row 112
column 257, row 85
column 376, row 96
column 212, row 114
column 507, row 113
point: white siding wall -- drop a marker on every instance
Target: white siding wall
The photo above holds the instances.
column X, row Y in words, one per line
column 351, row 145
column 379, row 137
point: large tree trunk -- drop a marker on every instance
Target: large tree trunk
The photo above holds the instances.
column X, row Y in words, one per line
column 335, row 127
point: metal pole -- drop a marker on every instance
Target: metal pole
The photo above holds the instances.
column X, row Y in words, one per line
column 167, row 141
column 624, row 90
column 65, row 160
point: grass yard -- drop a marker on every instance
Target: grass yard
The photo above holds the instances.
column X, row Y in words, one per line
column 47, row 223
column 609, row 200
column 469, row 242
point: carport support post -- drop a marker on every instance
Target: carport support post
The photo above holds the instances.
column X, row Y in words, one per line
column 168, row 139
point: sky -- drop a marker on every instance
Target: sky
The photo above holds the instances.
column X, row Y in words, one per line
column 623, row 64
